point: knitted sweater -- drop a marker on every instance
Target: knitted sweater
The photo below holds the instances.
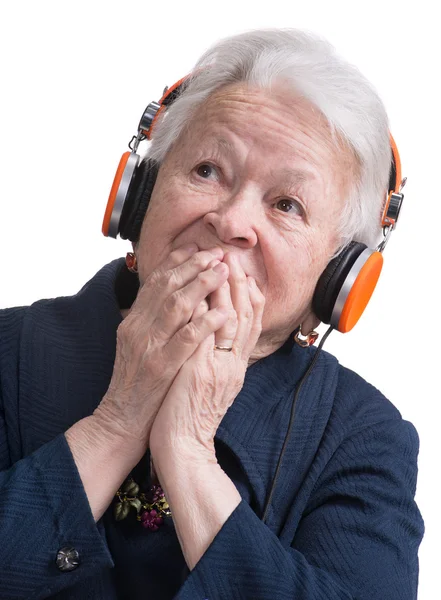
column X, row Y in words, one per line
column 342, row 523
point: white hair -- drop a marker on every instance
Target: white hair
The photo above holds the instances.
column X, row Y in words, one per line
column 310, row 66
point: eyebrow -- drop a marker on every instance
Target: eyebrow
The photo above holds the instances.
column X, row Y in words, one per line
column 223, row 145
column 220, row 145
column 295, row 175
column 290, row 176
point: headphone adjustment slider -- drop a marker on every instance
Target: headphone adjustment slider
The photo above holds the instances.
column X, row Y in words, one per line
column 387, row 230
column 136, row 140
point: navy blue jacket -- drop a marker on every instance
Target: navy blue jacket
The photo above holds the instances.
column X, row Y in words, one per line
column 342, row 524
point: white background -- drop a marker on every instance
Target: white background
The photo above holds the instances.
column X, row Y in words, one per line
column 75, row 78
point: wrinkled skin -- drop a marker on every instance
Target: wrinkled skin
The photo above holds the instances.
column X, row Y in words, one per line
column 258, row 177
column 272, row 140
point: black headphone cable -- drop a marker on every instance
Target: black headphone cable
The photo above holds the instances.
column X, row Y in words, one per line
column 291, row 420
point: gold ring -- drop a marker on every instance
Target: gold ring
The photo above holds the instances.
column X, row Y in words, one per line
column 223, row 348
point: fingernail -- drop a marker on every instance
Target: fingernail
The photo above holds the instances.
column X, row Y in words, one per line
column 222, row 310
column 220, row 268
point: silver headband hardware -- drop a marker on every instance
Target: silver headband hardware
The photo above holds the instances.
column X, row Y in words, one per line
column 148, row 115
column 386, row 233
column 135, row 141
column 393, row 210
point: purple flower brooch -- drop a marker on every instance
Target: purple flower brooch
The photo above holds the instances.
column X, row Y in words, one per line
column 151, row 507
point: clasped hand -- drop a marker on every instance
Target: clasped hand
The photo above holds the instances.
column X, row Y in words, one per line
column 169, row 384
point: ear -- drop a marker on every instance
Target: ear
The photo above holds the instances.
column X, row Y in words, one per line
column 310, row 323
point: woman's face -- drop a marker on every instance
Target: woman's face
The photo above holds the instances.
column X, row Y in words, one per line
column 258, row 175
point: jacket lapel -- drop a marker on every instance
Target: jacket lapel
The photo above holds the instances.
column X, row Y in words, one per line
column 256, row 424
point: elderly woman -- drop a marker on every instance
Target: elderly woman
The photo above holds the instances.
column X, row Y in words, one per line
column 161, row 433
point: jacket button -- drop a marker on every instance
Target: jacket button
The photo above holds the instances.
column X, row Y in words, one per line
column 68, row 558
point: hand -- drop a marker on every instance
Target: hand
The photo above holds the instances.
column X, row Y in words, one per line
column 156, row 339
column 210, row 380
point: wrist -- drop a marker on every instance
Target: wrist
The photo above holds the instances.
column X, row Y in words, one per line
column 120, row 436
column 90, row 436
column 102, row 461
column 177, row 461
column 181, row 452
column 200, row 494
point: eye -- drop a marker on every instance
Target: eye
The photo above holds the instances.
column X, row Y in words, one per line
column 288, row 205
column 206, row 171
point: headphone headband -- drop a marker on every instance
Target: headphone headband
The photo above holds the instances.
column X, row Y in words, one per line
column 394, row 197
column 346, row 285
column 154, row 109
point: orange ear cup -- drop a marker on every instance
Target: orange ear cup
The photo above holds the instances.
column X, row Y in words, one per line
column 129, row 163
column 113, row 192
column 361, row 292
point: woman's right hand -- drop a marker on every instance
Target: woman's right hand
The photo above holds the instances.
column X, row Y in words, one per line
column 157, row 337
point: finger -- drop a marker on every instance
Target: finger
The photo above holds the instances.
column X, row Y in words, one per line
column 221, row 298
column 240, row 296
column 181, row 267
column 200, row 310
column 257, row 300
column 207, row 344
column 178, row 308
column 188, row 338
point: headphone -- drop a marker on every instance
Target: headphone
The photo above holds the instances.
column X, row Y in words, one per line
column 348, row 282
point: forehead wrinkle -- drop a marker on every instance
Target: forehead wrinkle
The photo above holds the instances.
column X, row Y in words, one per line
column 222, row 146
column 323, row 157
column 291, row 124
column 284, row 177
column 234, row 100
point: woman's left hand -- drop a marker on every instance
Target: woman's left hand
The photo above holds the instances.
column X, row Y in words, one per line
column 209, row 381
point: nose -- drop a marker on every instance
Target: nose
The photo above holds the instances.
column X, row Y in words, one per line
column 234, row 221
